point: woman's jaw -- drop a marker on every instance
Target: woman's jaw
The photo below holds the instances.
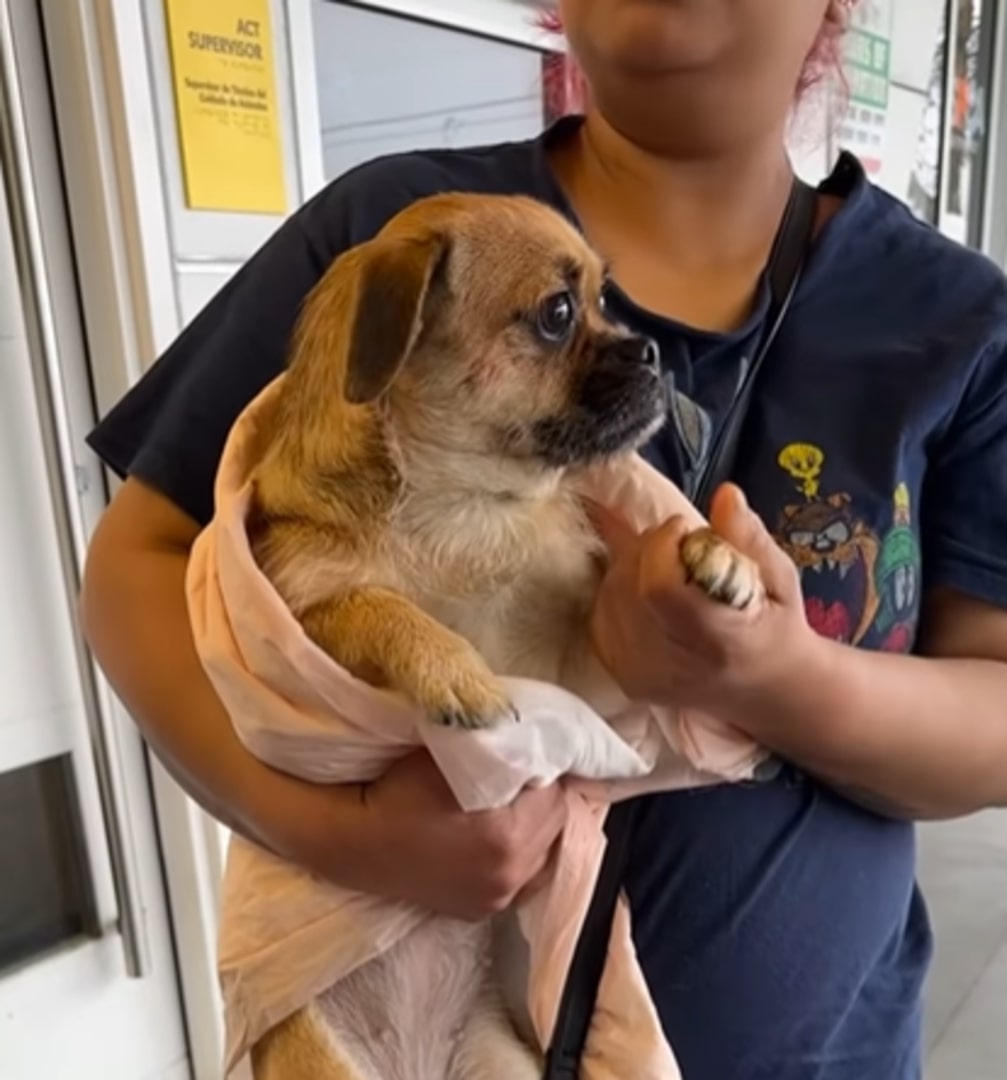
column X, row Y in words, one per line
column 694, row 78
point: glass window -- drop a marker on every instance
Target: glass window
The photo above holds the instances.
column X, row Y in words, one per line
column 970, row 66
column 918, row 76
column 44, row 900
column 388, row 84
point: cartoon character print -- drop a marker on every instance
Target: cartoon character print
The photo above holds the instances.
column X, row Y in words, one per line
column 898, row 578
column 835, row 551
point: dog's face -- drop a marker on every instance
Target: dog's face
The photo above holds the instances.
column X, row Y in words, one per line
column 479, row 324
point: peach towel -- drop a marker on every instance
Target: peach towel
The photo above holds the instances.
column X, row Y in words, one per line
column 286, row 936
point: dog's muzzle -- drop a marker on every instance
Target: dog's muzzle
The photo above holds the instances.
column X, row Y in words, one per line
column 620, row 402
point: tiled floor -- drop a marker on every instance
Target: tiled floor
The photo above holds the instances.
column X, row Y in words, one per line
column 964, row 875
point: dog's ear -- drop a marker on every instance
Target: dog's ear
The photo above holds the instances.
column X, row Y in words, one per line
column 362, row 319
column 394, row 280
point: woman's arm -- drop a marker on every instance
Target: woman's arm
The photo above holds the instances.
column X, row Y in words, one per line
column 136, row 620
column 919, row 737
column 403, row 837
column 915, row 737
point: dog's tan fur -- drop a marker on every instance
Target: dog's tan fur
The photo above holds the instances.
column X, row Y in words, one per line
column 405, row 512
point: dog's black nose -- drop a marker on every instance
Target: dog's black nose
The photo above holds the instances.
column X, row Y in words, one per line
column 638, row 350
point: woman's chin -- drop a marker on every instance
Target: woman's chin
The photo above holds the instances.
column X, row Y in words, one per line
column 658, row 37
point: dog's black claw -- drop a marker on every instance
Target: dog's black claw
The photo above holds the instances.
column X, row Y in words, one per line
column 455, row 718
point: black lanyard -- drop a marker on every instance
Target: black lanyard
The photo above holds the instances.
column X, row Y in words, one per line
column 786, row 261
column 573, row 1020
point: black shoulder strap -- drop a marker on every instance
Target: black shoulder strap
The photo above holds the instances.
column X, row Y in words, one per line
column 786, row 261
column 581, row 989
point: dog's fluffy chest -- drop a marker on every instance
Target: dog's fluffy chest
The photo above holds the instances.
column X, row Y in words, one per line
column 514, row 579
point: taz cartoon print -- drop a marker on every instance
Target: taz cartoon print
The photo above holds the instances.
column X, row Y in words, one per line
column 835, row 551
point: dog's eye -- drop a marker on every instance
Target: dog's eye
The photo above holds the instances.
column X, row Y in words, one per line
column 556, row 316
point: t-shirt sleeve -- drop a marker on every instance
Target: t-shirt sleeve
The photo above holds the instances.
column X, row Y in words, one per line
column 964, row 524
column 169, row 429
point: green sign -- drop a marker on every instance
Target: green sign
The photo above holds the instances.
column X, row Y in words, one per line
column 868, row 62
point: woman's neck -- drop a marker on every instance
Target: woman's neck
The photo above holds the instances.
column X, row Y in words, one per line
column 692, row 234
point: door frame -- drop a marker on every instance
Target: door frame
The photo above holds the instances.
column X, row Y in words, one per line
column 131, row 933
column 116, row 206
column 994, row 232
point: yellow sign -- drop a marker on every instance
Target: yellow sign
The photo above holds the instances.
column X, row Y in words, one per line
column 225, row 100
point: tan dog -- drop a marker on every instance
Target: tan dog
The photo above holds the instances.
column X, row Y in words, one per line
column 414, row 509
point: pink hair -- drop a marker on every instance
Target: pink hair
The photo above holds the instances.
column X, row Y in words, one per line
column 563, row 84
column 826, row 56
column 566, row 89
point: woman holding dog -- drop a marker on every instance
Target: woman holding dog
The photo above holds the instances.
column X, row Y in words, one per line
column 778, row 922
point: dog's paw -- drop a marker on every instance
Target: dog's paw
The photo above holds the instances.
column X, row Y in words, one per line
column 459, row 690
column 721, row 571
column 472, row 701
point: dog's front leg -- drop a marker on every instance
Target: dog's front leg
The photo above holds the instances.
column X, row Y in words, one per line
column 380, row 635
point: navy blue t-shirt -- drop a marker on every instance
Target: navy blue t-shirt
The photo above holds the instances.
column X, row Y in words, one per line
column 779, row 926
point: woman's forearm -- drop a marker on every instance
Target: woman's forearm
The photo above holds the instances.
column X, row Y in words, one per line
column 136, row 621
column 906, row 736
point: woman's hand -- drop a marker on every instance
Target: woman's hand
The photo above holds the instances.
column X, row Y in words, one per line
column 665, row 641
column 429, row 852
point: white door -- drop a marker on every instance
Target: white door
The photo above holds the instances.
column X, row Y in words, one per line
column 87, row 975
